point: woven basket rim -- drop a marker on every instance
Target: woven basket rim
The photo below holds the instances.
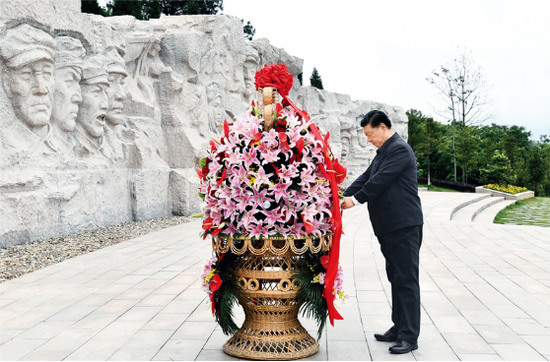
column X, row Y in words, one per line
column 294, row 237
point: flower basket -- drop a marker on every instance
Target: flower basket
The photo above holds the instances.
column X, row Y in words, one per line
column 269, row 296
column 271, row 188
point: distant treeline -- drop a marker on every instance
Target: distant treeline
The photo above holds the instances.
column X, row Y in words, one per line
column 484, row 154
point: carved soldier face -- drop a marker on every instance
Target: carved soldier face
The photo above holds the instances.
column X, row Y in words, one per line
column 92, row 111
column 115, row 95
column 30, row 88
column 67, row 96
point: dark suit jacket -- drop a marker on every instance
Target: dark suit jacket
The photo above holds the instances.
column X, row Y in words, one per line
column 390, row 188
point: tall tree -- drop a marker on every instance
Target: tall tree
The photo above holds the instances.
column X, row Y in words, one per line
column 416, row 126
column 498, row 170
column 248, row 30
column 92, row 7
column 191, row 7
column 472, row 91
column 151, row 9
column 463, row 93
column 140, row 9
column 467, row 150
column 516, row 143
column 539, row 168
column 315, row 79
column 444, row 84
column 432, row 142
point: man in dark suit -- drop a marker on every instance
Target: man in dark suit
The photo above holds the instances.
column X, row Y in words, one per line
column 390, row 189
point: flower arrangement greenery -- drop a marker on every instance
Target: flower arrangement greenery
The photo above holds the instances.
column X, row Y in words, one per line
column 223, row 296
column 311, row 279
column 506, row 188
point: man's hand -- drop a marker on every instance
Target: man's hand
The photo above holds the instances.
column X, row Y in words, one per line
column 348, row 203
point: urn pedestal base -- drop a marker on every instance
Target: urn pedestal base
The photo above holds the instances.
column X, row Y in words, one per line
column 271, row 341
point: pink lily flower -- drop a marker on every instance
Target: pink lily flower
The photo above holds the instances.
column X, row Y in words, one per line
column 259, row 197
column 234, row 157
column 258, row 230
column 307, row 177
column 279, row 190
column 293, row 136
column 246, row 220
column 272, row 217
column 271, row 138
column 261, row 178
column 270, row 156
column 249, row 157
column 214, row 167
column 288, row 171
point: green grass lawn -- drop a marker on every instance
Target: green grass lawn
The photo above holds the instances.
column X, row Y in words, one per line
column 534, row 211
column 436, row 188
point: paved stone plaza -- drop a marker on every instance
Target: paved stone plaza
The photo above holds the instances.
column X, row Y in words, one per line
column 485, row 296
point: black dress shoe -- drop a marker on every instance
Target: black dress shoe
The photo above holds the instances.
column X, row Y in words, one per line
column 402, row 346
column 386, row 337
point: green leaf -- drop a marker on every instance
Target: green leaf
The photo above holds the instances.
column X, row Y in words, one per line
column 197, row 215
column 202, row 162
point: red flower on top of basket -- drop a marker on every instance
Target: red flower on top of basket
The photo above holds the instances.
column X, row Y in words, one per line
column 275, row 75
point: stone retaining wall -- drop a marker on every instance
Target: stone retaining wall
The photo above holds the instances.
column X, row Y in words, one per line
column 507, row 196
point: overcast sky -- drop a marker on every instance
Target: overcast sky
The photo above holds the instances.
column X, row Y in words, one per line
column 385, row 50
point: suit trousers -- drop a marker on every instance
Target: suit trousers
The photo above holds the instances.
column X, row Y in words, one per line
column 401, row 250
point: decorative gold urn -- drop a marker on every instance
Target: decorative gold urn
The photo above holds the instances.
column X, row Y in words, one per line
column 264, row 270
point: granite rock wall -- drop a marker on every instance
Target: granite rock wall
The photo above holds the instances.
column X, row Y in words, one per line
column 103, row 120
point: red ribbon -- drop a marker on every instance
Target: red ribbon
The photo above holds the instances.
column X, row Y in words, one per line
column 334, row 254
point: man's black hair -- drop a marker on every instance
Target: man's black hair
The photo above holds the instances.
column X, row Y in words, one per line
column 374, row 118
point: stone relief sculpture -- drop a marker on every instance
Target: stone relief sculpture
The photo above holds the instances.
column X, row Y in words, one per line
column 215, row 108
column 103, row 120
column 67, row 95
column 115, row 131
column 28, row 81
column 89, row 131
column 251, row 65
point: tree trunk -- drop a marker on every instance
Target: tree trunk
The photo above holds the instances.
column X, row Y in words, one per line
column 429, row 181
column 454, row 155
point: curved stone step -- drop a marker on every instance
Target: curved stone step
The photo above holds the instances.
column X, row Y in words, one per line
column 470, row 211
column 460, row 208
column 442, row 205
column 488, row 215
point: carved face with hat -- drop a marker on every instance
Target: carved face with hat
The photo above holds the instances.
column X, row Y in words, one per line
column 116, row 69
column 28, row 75
column 68, row 72
column 93, row 109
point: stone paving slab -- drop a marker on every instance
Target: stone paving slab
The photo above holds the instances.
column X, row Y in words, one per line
column 485, row 296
